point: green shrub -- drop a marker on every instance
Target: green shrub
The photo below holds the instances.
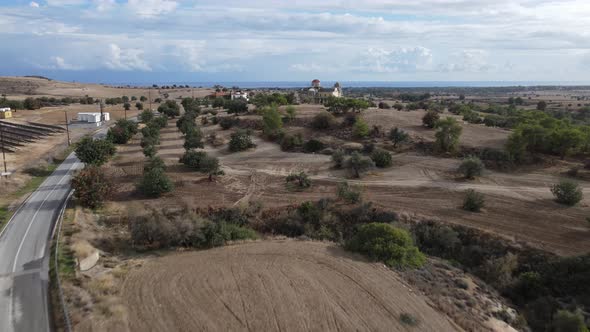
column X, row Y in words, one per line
column 471, row 167
column 360, row 129
column 398, row 136
column 430, row 118
column 91, row 187
column 291, row 113
column 291, row 142
column 348, row 193
column 271, row 122
column 186, row 122
column 381, row 158
column 447, row 134
column 240, row 140
column 391, row 245
column 192, row 158
column 567, row 321
column 146, row 116
column 301, row 180
column 159, row 121
column 95, row 151
column 227, row 122
column 170, row 108
column 338, row 158
column 235, row 106
column 436, row 239
column 408, row 319
column 154, row 162
column 201, row 162
column 193, row 139
column 358, row 164
column 122, row 131
column 323, row 120
column 473, row 201
column 149, row 150
column 313, row 145
column 567, row 192
column 155, row 183
column 219, row 233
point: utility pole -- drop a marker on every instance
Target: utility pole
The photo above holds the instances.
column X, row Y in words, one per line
column 67, row 128
column 150, row 98
column 101, row 111
column 2, row 147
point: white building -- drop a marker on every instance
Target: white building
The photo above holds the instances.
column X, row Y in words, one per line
column 93, row 117
column 5, row 113
column 239, row 94
column 319, row 95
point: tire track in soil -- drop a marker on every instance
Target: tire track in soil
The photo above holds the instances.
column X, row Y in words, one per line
column 280, row 285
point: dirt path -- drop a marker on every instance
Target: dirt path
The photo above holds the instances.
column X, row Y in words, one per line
column 273, row 286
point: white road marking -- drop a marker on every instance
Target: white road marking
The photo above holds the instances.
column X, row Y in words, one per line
column 10, row 304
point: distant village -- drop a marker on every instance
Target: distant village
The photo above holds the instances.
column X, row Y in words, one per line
column 315, row 94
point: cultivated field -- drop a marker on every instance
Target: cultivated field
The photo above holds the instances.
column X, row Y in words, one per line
column 273, row 286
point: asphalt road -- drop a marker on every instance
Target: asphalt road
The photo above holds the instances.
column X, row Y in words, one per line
column 24, row 252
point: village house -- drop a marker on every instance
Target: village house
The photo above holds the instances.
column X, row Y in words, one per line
column 239, row 95
column 319, row 95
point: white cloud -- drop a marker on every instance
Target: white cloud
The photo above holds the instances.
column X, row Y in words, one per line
column 307, row 67
column 473, row 61
column 60, row 63
column 33, row 4
column 104, row 5
column 395, row 60
column 190, row 53
column 60, row 3
column 291, row 39
column 152, row 8
column 126, row 59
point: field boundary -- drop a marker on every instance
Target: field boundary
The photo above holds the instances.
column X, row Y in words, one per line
column 57, row 229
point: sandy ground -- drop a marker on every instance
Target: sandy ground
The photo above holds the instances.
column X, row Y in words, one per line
column 22, row 87
column 273, row 286
column 519, row 206
column 473, row 136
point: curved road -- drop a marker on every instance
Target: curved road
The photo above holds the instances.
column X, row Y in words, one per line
column 24, row 251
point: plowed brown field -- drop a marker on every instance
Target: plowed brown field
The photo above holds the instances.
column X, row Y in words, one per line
column 273, row 286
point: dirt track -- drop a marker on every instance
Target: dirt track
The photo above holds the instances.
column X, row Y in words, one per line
column 273, row 286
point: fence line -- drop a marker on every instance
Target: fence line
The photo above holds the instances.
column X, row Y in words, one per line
column 68, row 324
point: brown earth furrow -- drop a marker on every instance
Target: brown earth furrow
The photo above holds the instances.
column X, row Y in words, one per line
column 273, row 286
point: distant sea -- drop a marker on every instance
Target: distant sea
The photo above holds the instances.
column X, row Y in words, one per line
column 369, row 84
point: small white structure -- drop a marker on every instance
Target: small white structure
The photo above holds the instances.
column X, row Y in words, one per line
column 93, row 117
column 5, row 113
column 239, row 94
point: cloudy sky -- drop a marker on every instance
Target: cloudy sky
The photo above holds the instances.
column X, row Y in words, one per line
column 278, row 40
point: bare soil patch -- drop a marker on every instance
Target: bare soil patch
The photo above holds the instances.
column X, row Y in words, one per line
column 473, row 136
column 273, row 285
